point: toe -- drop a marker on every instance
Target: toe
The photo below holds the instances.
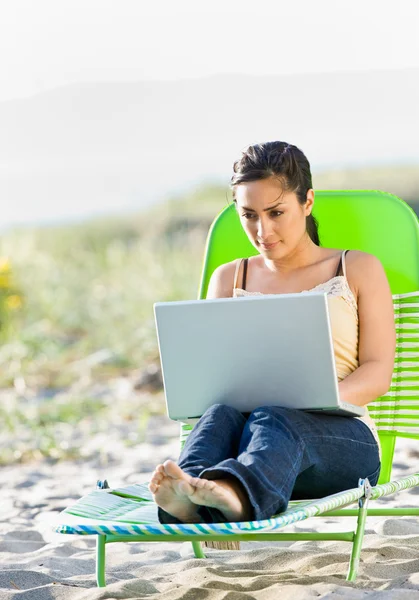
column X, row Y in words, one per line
column 184, row 488
column 204, row 484
column 173, row 470
column 153, row 487
column 181, row 481
column 196, row 482
column 156, row 478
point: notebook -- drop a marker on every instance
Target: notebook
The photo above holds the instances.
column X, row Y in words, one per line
column 271, row 350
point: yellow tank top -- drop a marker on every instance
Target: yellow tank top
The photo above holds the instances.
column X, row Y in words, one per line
column 343, row 312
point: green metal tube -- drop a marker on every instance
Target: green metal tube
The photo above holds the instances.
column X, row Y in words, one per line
column 347, row 536
column 197, row 548
column 373, row 512
column 100, row 560
column 357, row 545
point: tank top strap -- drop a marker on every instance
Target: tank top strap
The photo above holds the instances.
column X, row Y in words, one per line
column 242, row 261
column 343, row 259
column 245, row 263
column 342, row 265
column 236, row 273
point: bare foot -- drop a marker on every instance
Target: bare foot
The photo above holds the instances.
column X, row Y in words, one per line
column 180, row 494
column 170, row 496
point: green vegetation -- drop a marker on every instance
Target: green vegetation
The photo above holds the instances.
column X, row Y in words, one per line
column 91, row 286
column 87, row 319
column 402, row 181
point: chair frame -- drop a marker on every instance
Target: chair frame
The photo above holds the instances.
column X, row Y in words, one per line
column 332, row 506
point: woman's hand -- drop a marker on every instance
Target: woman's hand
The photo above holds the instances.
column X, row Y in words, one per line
column 377, row 335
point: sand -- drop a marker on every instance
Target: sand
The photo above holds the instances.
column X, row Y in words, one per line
column 36, row 563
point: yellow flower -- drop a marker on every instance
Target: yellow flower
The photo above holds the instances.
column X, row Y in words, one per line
column 13, row 302
column 4, row 280
column 4, row 273
column 4, row 265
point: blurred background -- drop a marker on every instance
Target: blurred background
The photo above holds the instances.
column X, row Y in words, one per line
column 120, row 122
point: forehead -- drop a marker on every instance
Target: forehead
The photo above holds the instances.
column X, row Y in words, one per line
column 264, row 192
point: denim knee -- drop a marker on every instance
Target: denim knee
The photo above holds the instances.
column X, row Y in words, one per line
column 276, row 419
column 269, row 411
column 222, row 411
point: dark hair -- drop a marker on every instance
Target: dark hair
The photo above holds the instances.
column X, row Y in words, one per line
column 283, row 161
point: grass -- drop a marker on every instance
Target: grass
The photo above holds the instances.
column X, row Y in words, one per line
column 87, row 320
column 91, row 287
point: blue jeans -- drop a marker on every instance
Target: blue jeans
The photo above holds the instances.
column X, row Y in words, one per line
column 278, row 454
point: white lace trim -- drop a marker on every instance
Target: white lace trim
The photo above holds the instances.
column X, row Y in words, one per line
column 337, row 286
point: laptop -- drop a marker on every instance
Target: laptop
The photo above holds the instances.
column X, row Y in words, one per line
column 272, row 350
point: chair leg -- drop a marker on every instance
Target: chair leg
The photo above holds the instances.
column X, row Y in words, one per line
column 197, row 548
column 360, row 529
column 100, row 560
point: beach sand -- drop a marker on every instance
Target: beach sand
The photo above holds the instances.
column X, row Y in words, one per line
column 37, row 563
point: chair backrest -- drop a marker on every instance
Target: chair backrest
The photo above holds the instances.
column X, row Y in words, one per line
column 371, row 221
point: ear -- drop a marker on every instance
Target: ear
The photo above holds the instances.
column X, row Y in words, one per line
column 308, row 206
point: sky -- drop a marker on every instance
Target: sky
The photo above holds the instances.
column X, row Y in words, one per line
column 45, row 44
column 50, row 43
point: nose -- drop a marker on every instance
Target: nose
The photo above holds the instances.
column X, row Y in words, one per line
column 264, row 229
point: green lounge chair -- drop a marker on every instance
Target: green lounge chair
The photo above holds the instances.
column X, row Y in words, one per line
column 375, row 222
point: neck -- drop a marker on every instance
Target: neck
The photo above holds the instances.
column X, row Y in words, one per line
column 303, row 255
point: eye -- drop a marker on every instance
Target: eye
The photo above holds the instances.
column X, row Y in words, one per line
column 248, row 215
column 276, row 213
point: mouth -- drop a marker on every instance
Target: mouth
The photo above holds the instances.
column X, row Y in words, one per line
column 268, row 246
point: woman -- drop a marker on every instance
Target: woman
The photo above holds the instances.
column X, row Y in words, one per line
column 239, row 467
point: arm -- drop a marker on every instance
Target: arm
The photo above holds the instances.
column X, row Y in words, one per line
column 222, row 281
column 377, row 335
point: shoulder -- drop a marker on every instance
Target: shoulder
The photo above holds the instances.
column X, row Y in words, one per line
column 364, row 271
column 355, row 259
column 222, row 280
